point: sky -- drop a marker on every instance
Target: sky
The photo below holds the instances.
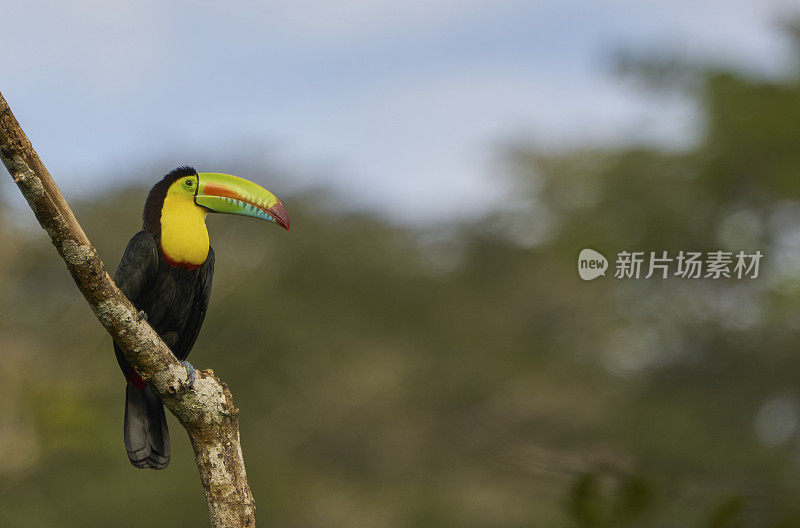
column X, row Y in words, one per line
column 402, row 106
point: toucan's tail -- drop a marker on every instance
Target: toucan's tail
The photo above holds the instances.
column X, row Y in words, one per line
column 146, row 433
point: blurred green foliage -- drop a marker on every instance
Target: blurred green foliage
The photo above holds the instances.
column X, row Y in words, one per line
column 456, row 375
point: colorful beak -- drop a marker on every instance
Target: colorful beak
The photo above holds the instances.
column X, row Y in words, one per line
column 224, row 193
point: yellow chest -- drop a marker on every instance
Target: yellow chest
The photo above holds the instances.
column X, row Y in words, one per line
column 184, row 237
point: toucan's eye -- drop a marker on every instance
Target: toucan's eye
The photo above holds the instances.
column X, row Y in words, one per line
column 188, row 182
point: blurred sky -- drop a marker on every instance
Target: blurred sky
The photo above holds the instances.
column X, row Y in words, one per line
column 401, row 104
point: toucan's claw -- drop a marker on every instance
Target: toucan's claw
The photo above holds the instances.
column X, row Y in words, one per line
column 142, row 316
column 190, row 373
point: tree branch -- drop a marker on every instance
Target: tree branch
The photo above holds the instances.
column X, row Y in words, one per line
column 205, row 409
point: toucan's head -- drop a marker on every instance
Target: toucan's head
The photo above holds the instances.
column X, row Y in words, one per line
column 185, row 190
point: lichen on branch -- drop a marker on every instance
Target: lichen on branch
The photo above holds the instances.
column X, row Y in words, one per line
column 205, row 409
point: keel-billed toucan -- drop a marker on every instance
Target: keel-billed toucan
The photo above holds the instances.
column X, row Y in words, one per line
column 166, row 272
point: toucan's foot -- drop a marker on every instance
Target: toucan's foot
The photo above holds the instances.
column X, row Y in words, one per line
column 190, row 373
column 142, row 315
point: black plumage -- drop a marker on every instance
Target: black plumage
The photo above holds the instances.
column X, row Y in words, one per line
column 174, row 300
column 166, row 272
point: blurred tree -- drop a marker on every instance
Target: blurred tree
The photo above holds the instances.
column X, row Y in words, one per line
column 467, row 377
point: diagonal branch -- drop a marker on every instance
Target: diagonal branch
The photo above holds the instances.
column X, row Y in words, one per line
column 205, row 409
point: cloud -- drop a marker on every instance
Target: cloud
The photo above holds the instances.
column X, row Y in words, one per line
column 402, row 104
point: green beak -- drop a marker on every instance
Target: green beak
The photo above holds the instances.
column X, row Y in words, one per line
column 224, row 193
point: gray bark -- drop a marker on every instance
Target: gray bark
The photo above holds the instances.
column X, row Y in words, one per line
column 205, row 409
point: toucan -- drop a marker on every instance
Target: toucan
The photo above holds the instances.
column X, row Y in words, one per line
column 166, row 272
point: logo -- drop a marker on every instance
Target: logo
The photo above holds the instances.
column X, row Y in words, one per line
column 591, row 264
column 718, row 264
